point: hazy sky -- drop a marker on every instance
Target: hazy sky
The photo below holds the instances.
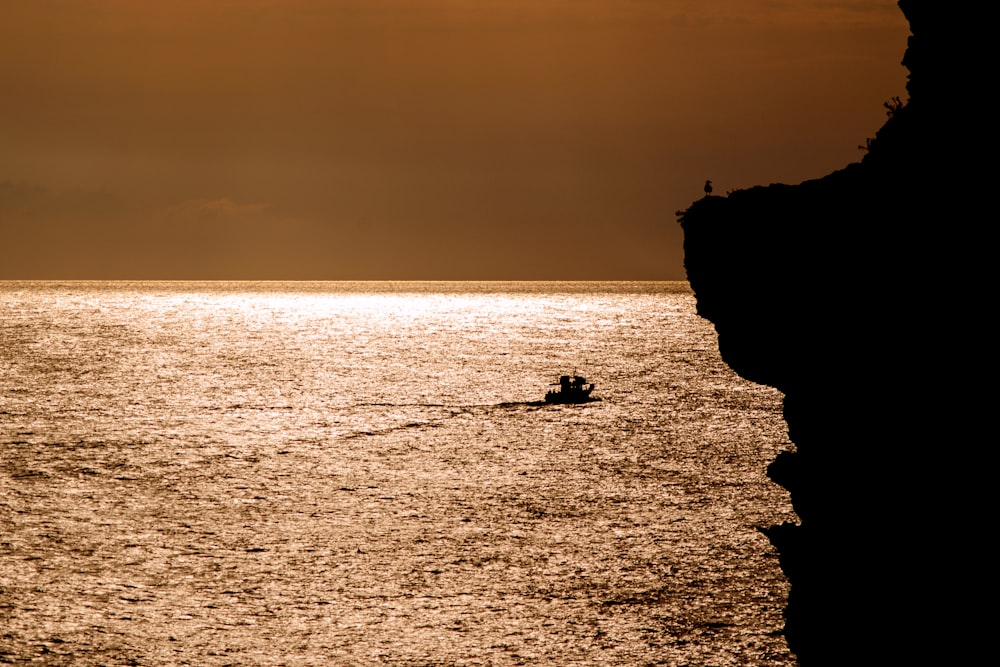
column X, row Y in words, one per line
column 413, row 139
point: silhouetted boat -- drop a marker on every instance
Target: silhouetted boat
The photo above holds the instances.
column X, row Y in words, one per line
column 572, row 389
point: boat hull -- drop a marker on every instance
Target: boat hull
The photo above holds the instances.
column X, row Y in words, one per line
column 564, row 397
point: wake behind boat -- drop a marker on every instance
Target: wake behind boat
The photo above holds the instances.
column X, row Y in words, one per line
column 572, row 389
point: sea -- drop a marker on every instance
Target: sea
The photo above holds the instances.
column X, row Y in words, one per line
column 364, row 473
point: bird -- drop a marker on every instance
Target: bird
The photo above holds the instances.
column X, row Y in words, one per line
column 708, row 188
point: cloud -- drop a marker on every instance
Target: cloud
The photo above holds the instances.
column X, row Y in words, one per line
column 36, row 203
column 204, row 210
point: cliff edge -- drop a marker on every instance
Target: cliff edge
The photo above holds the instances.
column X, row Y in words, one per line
column 861, row 296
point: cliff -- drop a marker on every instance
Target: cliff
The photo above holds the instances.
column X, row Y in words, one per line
column 861, row 296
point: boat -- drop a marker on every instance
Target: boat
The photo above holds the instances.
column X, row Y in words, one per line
column 572, row 389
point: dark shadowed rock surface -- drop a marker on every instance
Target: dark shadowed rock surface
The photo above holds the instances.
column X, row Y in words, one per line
column 863, row 296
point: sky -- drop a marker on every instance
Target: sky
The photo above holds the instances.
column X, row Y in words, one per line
column 414, row 139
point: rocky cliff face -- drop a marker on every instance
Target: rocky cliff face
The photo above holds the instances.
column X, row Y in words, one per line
column 863, row 297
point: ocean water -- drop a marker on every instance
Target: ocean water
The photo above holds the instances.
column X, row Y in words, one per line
column 363, row 474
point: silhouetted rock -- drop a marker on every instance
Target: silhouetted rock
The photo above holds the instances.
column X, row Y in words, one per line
column 863, row 297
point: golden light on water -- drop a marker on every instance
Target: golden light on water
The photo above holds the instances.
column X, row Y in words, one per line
column 306, row 474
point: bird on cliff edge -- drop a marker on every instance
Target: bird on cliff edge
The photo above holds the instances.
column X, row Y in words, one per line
column 708, row 188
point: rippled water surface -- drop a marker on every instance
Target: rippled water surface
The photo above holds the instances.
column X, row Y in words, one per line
column 363, row 474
